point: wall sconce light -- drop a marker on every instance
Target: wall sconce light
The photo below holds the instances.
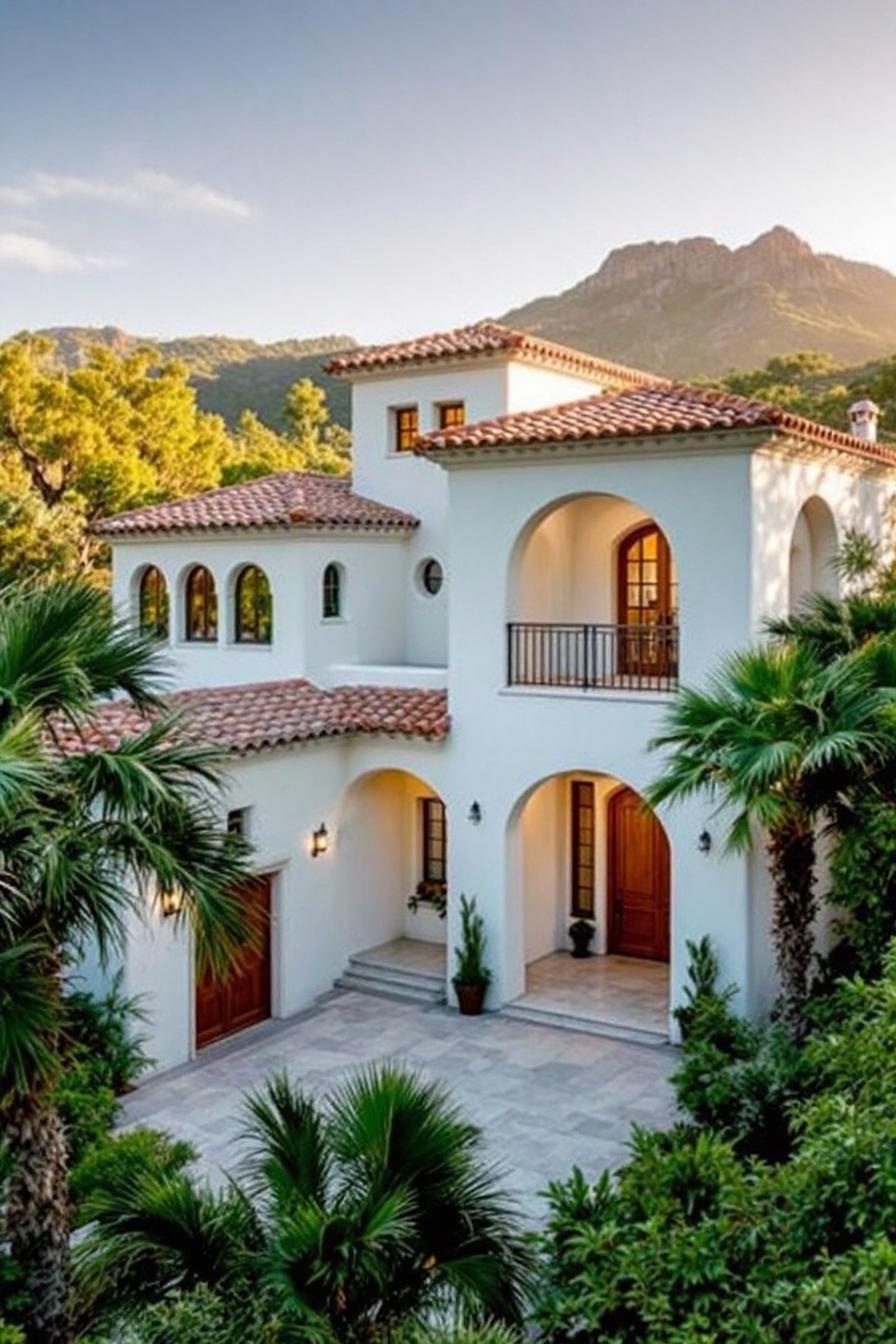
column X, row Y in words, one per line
column 475, row 813
column 320, row 841
column 172, row 902
column 704, row 842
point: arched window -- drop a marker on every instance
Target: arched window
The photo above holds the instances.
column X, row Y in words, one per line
column 331, row 592
column 201, row 613
column 153, row 602
column 253, row 607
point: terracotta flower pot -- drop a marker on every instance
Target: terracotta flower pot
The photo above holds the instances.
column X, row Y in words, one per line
column 470, row 998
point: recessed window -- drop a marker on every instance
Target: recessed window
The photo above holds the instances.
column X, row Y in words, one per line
column 153, row 603
column 253, row 607
column 407, row 427
column 430, row 577
column 238, row 821
column 451, row 413
column 433, row 849
column 582, row 840
column 331, row 592
column 201, row 623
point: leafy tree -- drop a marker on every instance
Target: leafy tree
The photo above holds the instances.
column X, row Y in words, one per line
column 355, row 1217
column 82, row 837
column 312, row 441
column 778, row 738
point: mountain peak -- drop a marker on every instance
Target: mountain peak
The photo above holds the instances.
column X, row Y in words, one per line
column 697, row 306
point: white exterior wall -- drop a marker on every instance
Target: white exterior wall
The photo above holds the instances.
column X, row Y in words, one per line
column 371, row 630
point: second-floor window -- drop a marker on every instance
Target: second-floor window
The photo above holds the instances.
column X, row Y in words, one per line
column 331, row 592
column 451, row 413
column 153, row 603
column 201, row 606
column 254, row 608
column 407, row 427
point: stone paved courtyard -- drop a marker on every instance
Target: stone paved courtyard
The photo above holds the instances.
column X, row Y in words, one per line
column 546, row 1099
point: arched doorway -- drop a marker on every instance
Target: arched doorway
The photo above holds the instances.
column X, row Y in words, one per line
column 583, row 846
column 813, row 549
column 647, row 603
column 637, row 879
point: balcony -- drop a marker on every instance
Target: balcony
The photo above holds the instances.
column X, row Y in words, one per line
column 593, row 657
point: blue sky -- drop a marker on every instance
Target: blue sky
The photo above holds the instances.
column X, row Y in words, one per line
column 276, row 168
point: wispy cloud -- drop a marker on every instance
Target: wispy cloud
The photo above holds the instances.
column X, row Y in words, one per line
column 36, row 254
column 144, row 189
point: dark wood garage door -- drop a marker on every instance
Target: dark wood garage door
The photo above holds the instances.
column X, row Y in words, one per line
column 245, row 997
column 638, row 880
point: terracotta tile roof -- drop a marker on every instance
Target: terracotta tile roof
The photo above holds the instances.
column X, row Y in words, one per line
column 643, row 412
column 290, row 499
column 483, row 339
column 265, row 714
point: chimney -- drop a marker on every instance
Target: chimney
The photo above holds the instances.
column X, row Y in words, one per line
column 863, row 417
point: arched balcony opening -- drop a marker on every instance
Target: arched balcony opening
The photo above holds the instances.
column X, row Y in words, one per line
column 593, row 599
column 813, row 550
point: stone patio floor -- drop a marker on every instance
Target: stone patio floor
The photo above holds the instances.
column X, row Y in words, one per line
column 546, row 1099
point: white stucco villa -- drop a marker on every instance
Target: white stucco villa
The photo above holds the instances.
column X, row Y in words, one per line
column 443, row 676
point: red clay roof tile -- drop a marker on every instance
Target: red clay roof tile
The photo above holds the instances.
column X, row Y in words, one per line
column 289, row 499
column 642, row 412
column 266, row 714
column 483, row 339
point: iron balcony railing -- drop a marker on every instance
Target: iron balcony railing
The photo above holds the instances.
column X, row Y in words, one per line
column 593, row 657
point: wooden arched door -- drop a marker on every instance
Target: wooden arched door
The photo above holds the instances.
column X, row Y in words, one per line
column 647, row 604
column 638, row 879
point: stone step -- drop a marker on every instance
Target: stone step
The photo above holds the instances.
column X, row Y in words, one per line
column 547, row 1017
column 372, row 969
column 390, row 989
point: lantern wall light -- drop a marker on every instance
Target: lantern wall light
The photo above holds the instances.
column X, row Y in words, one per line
column 172, row 902
column 320, row 841
column 475, row 813
column 704, row 843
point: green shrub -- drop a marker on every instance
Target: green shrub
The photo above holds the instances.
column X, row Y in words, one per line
column 489, row 1333
column 116, row 1160
column 696, row 1244
column 201, row 1317
column 863, row 883
column 11, row 1334
column 104, row 1028
column 87, row 1104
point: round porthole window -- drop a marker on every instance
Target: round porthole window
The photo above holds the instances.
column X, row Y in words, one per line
column 431, row 577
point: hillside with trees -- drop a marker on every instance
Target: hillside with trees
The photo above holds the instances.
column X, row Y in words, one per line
column 229, row 374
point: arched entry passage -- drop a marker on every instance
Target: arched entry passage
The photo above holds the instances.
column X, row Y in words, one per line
column 582, row 845
column 813, row 548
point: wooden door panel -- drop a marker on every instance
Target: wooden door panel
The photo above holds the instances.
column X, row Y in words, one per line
column 638, row 880
column 245, row 997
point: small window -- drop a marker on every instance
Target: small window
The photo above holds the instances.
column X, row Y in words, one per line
column 331, row 603
column 201, row 606
column 254, row 608
column 238, row 821
column 451, row 413
column 407, row 426
column 582, row 848
column 154, row 603
column 431, row 577
column 433, row 849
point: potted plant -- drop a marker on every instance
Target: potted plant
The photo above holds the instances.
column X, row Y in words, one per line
column 471, row 975
column 581, row 932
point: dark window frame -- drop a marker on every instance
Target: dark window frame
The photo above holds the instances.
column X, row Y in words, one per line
column 158, row 625
column 331, row 601
column 201, row 597
column 452, row 413
column 407, row 428
column 434, row 845
column 582, row 870
column 427, row 572
column 259, row 628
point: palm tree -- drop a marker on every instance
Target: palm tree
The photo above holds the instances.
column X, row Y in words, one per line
column 84, row 835
column 368, row 1211
column 781, row 739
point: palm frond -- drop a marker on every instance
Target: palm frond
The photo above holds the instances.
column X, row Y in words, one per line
column 288, row 1157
